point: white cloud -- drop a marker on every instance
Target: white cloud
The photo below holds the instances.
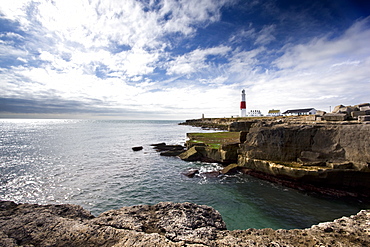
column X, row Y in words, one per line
column 10, row 51
column 191, row 100
column 11, row 35
column 91, row 27
column 324, row 52
column 182, row 15
column 308, row 73
column 68, row 42
column 241, row 35
column 195, row 60
column 244, row 67
column 265, row 36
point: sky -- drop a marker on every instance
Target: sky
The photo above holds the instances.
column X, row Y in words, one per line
column 167, row 59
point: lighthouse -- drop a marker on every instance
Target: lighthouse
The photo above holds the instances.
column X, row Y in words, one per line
column 243, row 110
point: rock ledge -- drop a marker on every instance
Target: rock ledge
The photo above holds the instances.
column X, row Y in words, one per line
column 163, row 224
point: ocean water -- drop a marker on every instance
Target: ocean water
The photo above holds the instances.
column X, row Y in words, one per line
column 91, row 163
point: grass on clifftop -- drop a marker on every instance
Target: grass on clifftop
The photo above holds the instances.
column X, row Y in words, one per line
column 214, row 140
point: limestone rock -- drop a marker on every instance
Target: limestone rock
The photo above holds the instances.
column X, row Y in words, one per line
column 163, row 224
column 335, row 116
column 176, row 221
column 192, row 154
column 364, row 118
column 243, row 136
column 229, row 153
column 328, row 143
column 337, row 108
column 336, row 156
column 364, row 106
column 356, row 114
column 231, row 168
column 241, row 126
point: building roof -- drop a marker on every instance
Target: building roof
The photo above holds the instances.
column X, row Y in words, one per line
column 274, row 111
column 298, row 111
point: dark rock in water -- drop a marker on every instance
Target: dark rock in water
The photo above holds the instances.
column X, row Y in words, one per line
column 169, row 147
column 163, row 224
column 137, row 148
column 191, row 173
column 168, row 150
column 212, row 174
column 171, row 153
column 158, row 144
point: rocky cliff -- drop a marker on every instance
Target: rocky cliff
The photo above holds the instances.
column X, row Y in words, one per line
column 330, row 155
column 299, row 153
column 309, row 143
column 164, row 224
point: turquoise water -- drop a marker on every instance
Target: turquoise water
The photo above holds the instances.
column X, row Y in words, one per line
column 91, row 163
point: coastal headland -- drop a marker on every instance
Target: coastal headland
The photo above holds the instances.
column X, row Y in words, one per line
column 329, row 154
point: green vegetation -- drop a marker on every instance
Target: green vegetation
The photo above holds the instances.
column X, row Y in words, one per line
column 215, row 139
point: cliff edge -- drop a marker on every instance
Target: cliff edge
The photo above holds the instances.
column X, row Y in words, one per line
column 330, row 157
column 335, row 156
column 163, row 224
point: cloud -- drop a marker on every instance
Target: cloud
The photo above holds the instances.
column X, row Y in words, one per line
column 321, row 52
column 265, row 36
column 176, row 57
column 196, row 60
column 309, row 72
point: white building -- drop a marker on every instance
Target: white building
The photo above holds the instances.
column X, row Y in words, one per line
column 274, row 113
column 300, row 112
column 254, row 113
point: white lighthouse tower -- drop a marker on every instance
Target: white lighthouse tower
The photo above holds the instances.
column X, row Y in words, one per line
column 243, row 110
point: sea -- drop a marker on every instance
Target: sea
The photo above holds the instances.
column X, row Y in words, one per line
column 91, row 163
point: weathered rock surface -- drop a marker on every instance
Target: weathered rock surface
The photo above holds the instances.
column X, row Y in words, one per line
column 164, row 224
column 220, row 147
column 364, row 118
column 336, row 155
column 349, row 112
column 327, row 143
column 333, row 154
column 225, row 154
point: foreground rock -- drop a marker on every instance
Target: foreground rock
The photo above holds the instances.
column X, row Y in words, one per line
column 164, row 224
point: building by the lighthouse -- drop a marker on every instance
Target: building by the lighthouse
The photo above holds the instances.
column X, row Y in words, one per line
column 243, row 108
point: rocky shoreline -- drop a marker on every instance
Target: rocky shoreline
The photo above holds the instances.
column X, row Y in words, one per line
column 307, row 152
column 318, row 155
column 163, row 224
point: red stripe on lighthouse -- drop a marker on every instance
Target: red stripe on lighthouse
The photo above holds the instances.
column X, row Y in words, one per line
column 242, row 105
